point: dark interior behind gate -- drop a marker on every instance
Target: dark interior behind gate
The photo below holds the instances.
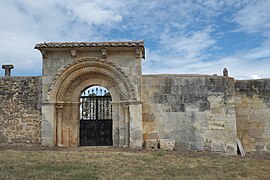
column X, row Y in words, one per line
column 96, row 118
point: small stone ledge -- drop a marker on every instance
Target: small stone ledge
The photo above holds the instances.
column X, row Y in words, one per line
column 167, row 144
column 164, row 144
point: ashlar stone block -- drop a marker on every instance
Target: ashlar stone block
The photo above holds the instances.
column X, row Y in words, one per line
column 151, row 144
column 167, row 144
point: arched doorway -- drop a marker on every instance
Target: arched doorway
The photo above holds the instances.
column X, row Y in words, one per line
column 95, row 117
column 61, row 112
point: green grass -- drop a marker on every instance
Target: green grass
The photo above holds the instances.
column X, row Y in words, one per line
column 125, row 164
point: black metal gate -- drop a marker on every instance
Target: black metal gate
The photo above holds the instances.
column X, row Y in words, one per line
column 96, row 118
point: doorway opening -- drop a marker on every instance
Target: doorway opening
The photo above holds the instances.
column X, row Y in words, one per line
column 96, row 117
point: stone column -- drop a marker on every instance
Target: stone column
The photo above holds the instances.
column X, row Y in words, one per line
column 126, row 110
column 7, row 69
column 115, row 123
column 136, row 130
column 225, row 72
column 59, row 119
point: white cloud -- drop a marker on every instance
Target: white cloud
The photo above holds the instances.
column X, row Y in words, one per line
column 180, row 35
column 255, row 17
column 94, row 12
column 250, row 64
column 25, row 23
column 189, row 46
column 255, row 76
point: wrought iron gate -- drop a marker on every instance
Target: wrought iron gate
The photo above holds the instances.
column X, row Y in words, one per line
column 96, row 118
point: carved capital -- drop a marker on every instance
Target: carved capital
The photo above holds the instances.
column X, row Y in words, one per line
column 73, row 53
column 131, row 102
column 59, row 106
column 125, row 104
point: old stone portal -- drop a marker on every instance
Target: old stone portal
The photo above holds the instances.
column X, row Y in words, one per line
column 69, row 69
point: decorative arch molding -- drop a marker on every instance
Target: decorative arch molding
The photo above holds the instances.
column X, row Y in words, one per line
column 90, row 68
column 62, row 108
column 92, row 79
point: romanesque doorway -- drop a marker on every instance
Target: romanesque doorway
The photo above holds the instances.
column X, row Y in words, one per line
column 96, row 117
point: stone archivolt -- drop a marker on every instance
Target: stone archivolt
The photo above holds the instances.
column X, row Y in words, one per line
column 79, row 80
column 87, row 68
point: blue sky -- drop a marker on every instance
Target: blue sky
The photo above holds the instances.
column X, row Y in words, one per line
column 181, row 36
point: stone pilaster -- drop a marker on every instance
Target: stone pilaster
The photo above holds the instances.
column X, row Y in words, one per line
column 136, row 130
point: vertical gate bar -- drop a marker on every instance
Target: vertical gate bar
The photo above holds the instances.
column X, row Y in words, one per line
column 88, row 108
column 91, row 104
column 103, row 110
column 83, row 108
column 111, row 108
column 92, row 108
column 107, row 108
column 96, row 98
column 100, row 109
column 104, row 107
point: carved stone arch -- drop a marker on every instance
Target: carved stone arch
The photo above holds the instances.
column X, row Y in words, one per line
column 90, row 66
column 114, row 65
column 93, row 79
column 64, row 94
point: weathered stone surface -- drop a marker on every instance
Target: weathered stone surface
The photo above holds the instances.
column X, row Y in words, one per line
column 196, row 146
column 253, row 113
column 151, row 144
column 20, row 109
column 218, row 146
column 152, row 135
column 167, row 144
column 195, row 110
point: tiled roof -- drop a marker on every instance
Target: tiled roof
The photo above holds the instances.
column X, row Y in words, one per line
column 89, row 44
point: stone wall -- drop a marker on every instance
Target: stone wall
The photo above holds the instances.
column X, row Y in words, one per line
column 197, row 111
column 20, row 110
column 252, row 100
